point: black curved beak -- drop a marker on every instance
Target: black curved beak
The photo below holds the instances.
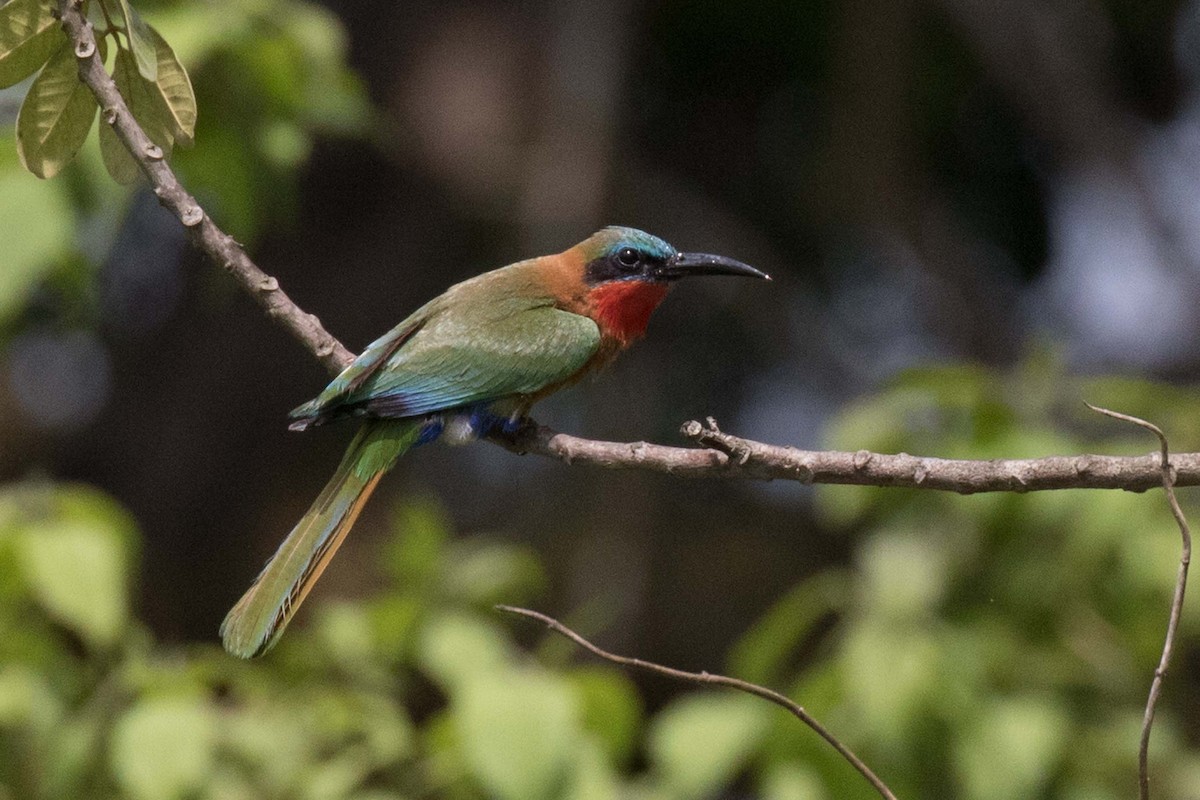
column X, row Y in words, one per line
column 685, row 265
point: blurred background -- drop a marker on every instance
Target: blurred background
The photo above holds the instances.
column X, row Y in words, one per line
column 978, row 215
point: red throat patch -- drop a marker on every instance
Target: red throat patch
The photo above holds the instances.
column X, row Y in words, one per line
column 623, row 308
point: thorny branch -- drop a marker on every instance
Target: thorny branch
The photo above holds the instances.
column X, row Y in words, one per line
column 719, row 454
column 707, row 678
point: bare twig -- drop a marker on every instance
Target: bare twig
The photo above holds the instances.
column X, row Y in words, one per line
column 707, row 678
column 1185, row 559
column 726, row 456
column 217, row 244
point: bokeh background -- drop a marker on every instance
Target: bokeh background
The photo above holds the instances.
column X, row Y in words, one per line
column 978, row 215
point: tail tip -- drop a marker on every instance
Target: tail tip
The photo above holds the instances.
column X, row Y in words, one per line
column 237, row 643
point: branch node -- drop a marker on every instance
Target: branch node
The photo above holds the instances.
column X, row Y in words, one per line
column 192, row 215
column 712, row 424
column 268, row 284
column 691, row 429
column 85, row 48
column 325, row 349
column 920, row 474
column 110, row 114
column 862, row 459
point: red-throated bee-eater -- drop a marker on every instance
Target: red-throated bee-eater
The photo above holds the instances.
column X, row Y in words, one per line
column 469, row 362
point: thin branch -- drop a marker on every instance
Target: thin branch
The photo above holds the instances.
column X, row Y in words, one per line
column 1185, row 559
column 707, row 678
column 217, row 244
column 723, row 455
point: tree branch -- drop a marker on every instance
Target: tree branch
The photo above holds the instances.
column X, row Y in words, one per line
column 707, row 678
column 726, row 456
column 217, row 244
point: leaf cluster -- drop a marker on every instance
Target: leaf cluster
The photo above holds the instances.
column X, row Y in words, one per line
column 990, row 646
column 59, row 110
column 415, row 691
column 271, row 76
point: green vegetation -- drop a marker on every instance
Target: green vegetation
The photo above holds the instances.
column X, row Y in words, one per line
column 987, row 647
column 269, row 75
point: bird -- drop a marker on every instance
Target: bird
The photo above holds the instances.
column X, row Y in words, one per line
column 467, row 364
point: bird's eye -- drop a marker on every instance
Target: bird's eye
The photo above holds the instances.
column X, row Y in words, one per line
column 628, row 257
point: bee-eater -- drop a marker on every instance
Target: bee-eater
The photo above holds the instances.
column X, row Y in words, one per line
column 467, row 363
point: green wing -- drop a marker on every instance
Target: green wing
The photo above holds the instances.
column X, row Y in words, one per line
column 462, row 354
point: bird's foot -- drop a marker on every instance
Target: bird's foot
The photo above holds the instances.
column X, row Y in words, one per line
column 514, row 432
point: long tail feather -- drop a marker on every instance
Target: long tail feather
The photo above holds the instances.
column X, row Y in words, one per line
column 256, row 622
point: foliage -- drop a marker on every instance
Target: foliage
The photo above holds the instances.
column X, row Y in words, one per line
column 58, row 110
column 416, row 691
column 986, row 647
column 278, row 67
column 993, row 646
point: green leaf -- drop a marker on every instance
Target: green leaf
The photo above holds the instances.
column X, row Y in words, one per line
column 699, row 743
column 56, row 116
column 141, row 40
column 790, row 781
column 76, row 567
column 27, row 701
column 894, row 670
column 611, row 709
column 593, row 777
column 762, row 653
column 174, row 89
column 485, row 573
column 518, row 730
column 1011, row 748
column 42, row 214
column 414, row 557
column 163, row 748
column 453, row 647
column 27, row 39
column 117, row 160
column 143, row 100
column 73, row 548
